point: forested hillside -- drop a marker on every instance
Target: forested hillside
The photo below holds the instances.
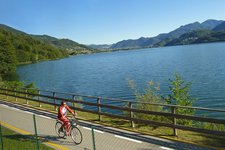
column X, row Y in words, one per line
column 17, row 47
column 64, row 44
column 8, row 58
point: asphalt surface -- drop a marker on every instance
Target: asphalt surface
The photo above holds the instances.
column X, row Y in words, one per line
column 105, row 138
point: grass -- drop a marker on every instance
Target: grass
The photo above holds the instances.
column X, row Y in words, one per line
column 14, row 141
column 164, row 132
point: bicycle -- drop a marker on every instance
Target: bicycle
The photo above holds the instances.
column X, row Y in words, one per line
column 74, row 132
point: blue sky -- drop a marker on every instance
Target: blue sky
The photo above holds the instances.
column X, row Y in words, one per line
column 106, row 21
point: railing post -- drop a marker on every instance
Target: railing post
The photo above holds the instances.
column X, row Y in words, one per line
column 35, row 129
column 39, row 92
column 74, row 98
column 174, row 120
column 15, row 94
column 99, row 109
column 93, row 138
column 6, row 92
column 54, row 100
column 1, row 137
column 26, row 96
column 131, row 114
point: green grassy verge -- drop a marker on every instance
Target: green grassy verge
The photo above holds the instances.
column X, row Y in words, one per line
column 164, row 132
column 14, row 141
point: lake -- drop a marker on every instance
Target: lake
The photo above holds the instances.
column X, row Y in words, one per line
column 107, row 74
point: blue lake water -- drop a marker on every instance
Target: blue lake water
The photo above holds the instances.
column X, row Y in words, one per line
column 107, row 74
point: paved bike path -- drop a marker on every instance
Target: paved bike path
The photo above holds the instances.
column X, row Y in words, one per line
column 106, row 138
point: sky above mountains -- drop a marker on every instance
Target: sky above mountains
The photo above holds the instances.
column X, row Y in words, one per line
column 106, row 21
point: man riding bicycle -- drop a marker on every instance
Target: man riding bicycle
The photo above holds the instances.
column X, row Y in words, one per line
column 62, row 116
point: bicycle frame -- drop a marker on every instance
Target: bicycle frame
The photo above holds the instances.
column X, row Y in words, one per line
column 74, row 132
column 72, row 123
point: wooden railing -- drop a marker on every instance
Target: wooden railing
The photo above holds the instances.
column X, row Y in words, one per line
column 121, row 106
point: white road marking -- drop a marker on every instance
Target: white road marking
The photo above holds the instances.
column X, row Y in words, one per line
column 44, row 117
column 87, row 128
column 98, row 131
column 129, row 139
column 14, row 108
column 94, row 130
column 4, row 105
column 25, row 111
column 28, row 112
column 17, row 109
column 166, row 148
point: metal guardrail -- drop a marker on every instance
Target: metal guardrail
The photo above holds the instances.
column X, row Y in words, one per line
column 99, row 105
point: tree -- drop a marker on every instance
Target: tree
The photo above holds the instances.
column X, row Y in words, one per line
column 147, row 96
column 180, row 95
column 7, row 57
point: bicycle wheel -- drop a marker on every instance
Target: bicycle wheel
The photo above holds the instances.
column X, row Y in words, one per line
column 59, row 132
column 76, row 135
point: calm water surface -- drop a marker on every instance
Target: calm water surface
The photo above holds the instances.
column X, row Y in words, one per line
column 107, row 74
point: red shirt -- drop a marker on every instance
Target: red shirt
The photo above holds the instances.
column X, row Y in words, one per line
column 62, row 112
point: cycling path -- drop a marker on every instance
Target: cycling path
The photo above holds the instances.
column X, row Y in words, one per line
column 106, row 138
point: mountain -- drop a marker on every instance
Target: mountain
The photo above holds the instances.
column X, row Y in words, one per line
column 187, row 38
column 152, row 41
column 10, row 29
column 211, row 24
column 220, row 27
column 132, row 44
column 32, row 48
column 17, row 47
column 64, row 44
column 195, row 37
column 211, row 33
column 24, row 48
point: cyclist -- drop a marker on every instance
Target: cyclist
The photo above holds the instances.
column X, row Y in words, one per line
column 62, row 116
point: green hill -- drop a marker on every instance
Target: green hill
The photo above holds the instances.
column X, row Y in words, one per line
column 17, row 47
column 27, row 48
column 64, row 44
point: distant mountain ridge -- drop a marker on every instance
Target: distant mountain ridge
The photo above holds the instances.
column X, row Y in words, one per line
column 211, row 24
column 220, row 27
column 65, row 44
column 19, row 47
column 10, row 29
column 216, row 34
column 149, row 42
column 146, row 42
